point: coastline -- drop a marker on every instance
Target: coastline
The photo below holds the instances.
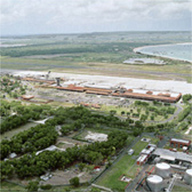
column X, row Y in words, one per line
column 139, row 50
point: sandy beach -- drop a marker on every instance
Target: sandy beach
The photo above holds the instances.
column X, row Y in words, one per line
column 139, row 50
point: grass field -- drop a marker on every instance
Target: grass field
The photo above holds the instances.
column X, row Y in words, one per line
column 9, row 187
column 111, row 178
column 132, row 107
column 126, row 165
column 5, row 187
column 13, row 132
column 95, row 53
column 181, row 189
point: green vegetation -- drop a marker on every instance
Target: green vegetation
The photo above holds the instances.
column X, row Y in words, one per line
column 143, row 111
column 126, row 165
column 186, row 98
column 92, row 53
column 139, row 146
column 12, row 87
column 6, row 186
column 74, row 181
column 32, row 186
column 111, row 178
column 180, row 188
column 184, row 113
column 35, row 165
column 22, row 113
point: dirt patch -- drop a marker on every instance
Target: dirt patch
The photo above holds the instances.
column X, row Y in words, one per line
column 63, row 177
column 66, row 142
column 93, row 137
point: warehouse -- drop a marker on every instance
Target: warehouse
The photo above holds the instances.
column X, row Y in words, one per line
column 172, row 156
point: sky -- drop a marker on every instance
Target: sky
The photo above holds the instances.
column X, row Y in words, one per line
column 20, row 17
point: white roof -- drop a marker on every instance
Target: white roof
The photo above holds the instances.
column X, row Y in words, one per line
column 180, row 140
column 189, row 171
column 152, row 145
column 146, row 151
column 167, row 157
column 142, row 158
column 162, row 165
column 154, row 179
column 170, row 155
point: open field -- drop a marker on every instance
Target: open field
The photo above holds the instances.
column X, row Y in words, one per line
column 180, row 188
column 95, row 53
column 5, row 186
column 13, row 132
column 111, row 178
column 126, row 165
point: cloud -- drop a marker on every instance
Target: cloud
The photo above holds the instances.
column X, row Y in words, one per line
column 68, row 13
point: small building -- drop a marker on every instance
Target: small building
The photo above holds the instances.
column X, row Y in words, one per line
column 27, row 97
column 130, row 152
column 149, row 92
column 179, row 143
column 130, row 90
column 142, row 159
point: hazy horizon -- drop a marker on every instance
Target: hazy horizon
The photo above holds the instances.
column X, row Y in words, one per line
column 94, row 32
column 88, row 16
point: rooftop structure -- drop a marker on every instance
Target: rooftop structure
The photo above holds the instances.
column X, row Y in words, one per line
column 142, row 159
column 72, row 87
column 27, row 97
column 141, row 61
column 179, row 143
column 148, row 97
column 172, row 156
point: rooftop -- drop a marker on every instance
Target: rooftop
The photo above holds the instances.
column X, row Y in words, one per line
column 170, row 155
column 180, row 141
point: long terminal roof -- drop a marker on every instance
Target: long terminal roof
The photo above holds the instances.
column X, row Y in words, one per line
column 170, row 155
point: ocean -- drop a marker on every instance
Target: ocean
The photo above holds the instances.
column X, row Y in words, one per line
column 181, row 51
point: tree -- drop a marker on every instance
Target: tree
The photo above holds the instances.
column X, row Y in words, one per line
column 33, row 186
column 81, row 166
column 152, row 118
column 46, row 187
column 74, row 181
column 113, row 112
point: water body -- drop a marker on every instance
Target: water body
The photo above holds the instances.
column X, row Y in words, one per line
column 181, row 51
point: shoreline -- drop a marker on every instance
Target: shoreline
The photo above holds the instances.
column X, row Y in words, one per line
column 139, row 50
